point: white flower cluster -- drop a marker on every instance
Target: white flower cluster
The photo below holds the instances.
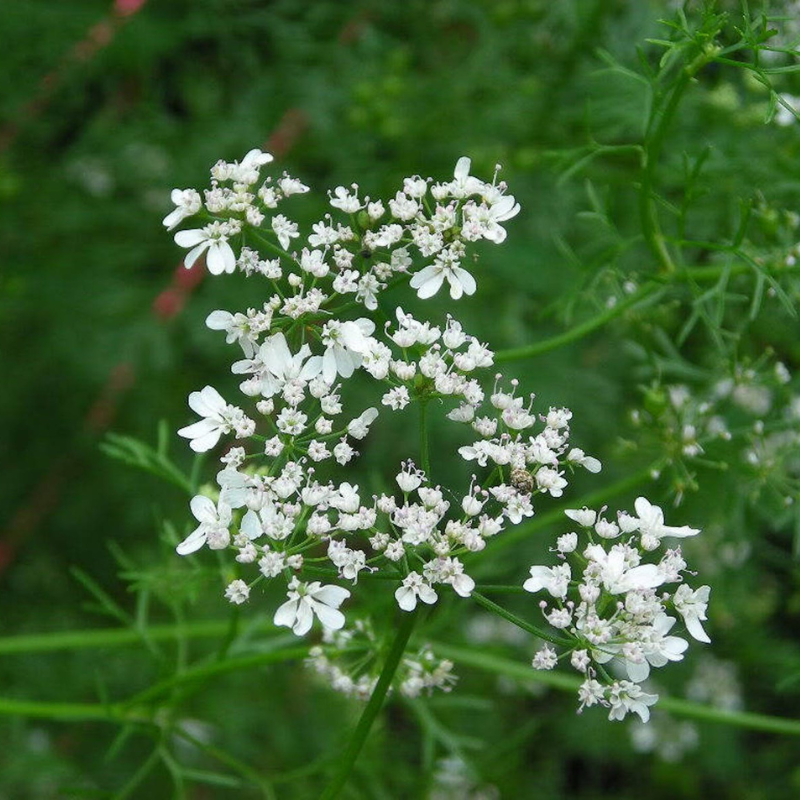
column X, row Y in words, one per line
column 298, row 347
column 346, row 658
column 607, row 605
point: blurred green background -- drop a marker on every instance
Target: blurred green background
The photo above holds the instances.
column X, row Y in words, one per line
column 106, row 106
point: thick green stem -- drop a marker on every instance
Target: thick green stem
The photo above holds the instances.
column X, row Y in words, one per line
column 348, row 760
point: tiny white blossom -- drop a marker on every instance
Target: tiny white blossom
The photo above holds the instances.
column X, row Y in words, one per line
column 307, row 600
column 214, row 523
column 214, row 238
column 237, row 592
column 692, row 605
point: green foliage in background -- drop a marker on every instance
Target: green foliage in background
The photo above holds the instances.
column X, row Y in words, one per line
column 655, row 258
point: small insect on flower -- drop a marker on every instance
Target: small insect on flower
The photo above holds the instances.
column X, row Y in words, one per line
column 522, row 480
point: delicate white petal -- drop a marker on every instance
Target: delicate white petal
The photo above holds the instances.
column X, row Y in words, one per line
column 191, row 238
column 332, row 596
column 286, row 615
column 219, row 320
column 304, row 619
column 204, row 509
column 465, row 279
column 329, row 617
column 207, row 402
column 193, row 542
column 406, row 598
column 194, row 254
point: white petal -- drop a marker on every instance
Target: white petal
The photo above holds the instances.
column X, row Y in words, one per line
column 461, row 171
column 406, row 598
column 694, row 627
column 329, row 617
column 638, row 672
column 208, row 402
column 286, row 615
column 220, row 258
column 191, row 238
column 251, row 525
column 219, row 320
column 466, row 280
column 173, row 218
column 332, row 596
column 194, row 254
column 302, row 624
column 204, row 509
column 193, row 542
column 427, row 594
column 199, row 429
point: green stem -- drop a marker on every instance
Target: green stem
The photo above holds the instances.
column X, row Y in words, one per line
column 579, row 331
column 424, row 450
column 113, row 637
column 515, row 620
column 660, row 120
column 682, row 708
column 73, row 712
column 348, row 760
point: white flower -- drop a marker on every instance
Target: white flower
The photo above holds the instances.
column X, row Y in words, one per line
column 397, row 398
column 237, row 592
column 585, row 517
column 214, row 523
column 414, row 587
column 589, row 463
column 284, row 229
column 214, row 238
column 652, row 527
column 344, row 200
column 464, row 184
column 619, row 578
column 345, row 343
column 657, row 648
column 429, row 280
column 209, row 404
column 692, row 605
column 554, row 579
column 247, row 171
column 309, row 599
column 276, row 366
column 237, row 329
column 359, row 427
column 187, row 202
column 625, row 696
column 545, row 658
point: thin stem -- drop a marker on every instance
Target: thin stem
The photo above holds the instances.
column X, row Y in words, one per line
column 515, row 620
column 682, row 708
column 424, row 448
column 579, row 331
column 348, row 760
column 660, row 119
column 112, row 637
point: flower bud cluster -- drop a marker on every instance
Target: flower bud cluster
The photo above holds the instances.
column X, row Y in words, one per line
column 608, row 607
